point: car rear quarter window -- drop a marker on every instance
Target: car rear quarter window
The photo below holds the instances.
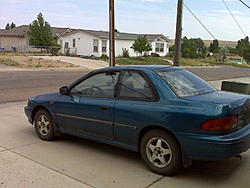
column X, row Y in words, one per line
column 185, row 83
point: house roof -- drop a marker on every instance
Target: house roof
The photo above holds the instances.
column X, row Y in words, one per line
column 21, row 31
column 234, row 57
column 15, row 32
column 123, row 36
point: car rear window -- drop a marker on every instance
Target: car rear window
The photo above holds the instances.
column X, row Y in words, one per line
column 185, row 83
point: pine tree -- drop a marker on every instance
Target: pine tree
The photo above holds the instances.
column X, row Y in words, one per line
column 7, row 27
column 40, row 33
column 214, row 46
column 12, row 25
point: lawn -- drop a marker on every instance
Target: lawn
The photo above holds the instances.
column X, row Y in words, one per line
column 142, row 61
column 184, row 62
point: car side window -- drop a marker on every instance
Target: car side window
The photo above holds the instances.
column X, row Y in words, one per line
column 134, row 86
column 98, row 85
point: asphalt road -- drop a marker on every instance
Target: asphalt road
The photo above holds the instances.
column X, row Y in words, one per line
column 19, row 86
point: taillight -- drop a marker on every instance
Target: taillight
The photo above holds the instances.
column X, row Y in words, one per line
column 221, row 124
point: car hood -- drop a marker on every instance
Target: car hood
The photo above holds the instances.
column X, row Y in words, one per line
column 221, row 97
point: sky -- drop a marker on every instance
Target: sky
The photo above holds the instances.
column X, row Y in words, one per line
column 134, row 16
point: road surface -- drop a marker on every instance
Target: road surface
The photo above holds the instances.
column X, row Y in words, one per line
column 19, row 86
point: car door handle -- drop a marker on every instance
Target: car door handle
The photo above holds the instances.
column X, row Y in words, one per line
column 104, row 108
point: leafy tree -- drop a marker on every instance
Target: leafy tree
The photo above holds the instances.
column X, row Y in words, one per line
column 241, row 45
column 246, row 53
column 40, row 33
column 7, row 27
column 193, row 48
column 232, row 50
column 214, row 46
column 12, row 26
column 243, row 48
column 224, row 52
column 142, row 45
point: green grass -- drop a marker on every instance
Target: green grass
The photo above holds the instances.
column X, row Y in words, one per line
column 9, row 62
column 208, row 62
column 142, row 61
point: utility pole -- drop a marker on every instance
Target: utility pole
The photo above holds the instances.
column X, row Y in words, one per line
column 111, row 33
column 177, row 53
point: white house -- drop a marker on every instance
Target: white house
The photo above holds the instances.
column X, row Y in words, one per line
column 95, row 43
column 83, row 42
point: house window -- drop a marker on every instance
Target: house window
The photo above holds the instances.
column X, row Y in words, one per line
column 104, row 46
column 66, row 45
column 95, row 45
column 74, row 43
column 159, row 47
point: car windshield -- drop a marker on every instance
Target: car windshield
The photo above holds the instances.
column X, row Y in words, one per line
column 185, row 83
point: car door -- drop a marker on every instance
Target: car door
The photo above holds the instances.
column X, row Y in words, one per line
column 89, row 109
column 135, row 99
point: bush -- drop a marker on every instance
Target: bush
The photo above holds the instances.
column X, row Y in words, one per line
column 170, row 55
column 104, row 56
column 125, row 53
column 155, row 55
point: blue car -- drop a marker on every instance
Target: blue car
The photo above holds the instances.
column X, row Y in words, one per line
column 166, row 113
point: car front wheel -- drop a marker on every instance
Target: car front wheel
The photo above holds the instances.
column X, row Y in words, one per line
column 161, row 152
column 44, row 125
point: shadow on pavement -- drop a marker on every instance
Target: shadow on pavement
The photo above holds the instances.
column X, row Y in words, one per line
column 212, row 170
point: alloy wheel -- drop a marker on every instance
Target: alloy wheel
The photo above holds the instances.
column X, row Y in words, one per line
column 158, row 152
column 43, row 125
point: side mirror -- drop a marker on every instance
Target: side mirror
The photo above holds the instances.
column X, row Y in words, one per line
column 64, row 90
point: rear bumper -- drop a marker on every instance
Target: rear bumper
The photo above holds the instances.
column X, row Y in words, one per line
column 204, row 147
column 28, row 113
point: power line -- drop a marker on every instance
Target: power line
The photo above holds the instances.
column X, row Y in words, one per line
column 244, row 4
column 233, row 17
column 238, row 9
column 199, row 21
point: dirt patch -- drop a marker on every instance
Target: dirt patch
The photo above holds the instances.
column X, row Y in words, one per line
column 30, row 62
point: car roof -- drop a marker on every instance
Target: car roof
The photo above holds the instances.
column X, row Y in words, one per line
column 136, row 67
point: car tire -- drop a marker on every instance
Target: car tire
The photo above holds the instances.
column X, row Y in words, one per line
column 161, row 152
column 44, row 125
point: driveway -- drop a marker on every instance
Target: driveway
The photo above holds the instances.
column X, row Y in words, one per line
column 86, row 63
column 26, row 161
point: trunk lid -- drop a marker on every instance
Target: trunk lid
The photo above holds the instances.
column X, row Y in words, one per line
column 237, row 104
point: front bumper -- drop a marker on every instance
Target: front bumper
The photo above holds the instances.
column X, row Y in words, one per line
column 28, row 113
column 205, row 147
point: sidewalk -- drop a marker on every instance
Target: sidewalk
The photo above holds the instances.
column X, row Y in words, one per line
column 217, row 84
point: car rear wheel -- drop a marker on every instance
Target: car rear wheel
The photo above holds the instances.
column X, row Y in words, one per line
column 44, row 125
column 161, row 152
